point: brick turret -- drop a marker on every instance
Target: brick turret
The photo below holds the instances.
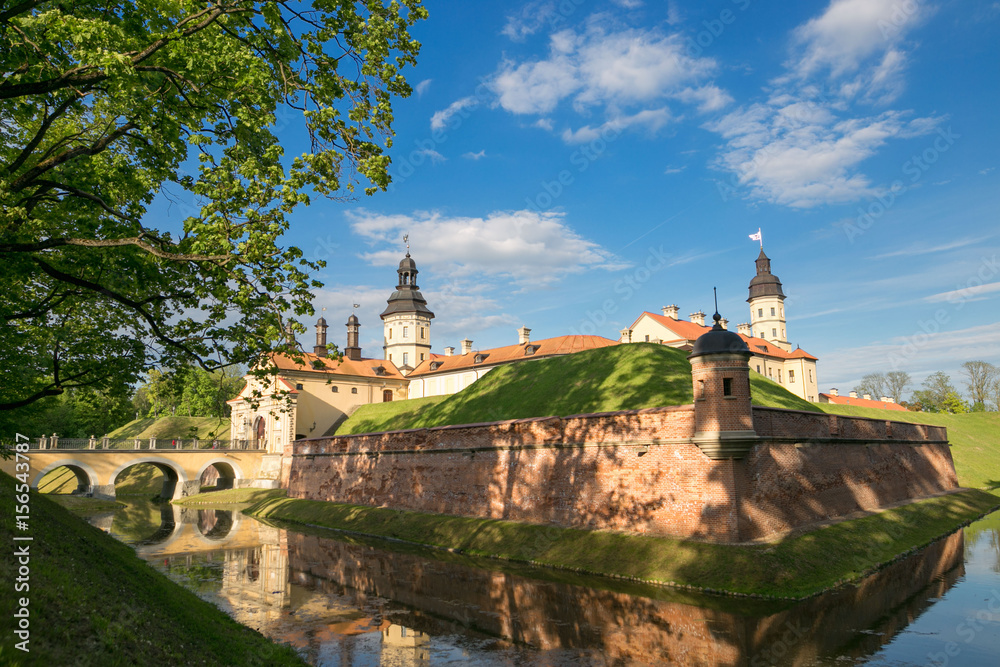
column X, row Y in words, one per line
column 721, row 377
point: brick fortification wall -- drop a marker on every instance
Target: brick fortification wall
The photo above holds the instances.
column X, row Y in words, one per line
column 636, row 471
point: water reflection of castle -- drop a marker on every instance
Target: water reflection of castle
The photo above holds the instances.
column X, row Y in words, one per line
column 346, row 604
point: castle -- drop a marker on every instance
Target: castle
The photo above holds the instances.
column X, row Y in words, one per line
column 310, row 399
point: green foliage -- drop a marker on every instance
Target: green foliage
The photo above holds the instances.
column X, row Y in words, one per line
column 107, row 106
column 624, row 377
column 78, row 413
column 939, row 395
column 190, row 391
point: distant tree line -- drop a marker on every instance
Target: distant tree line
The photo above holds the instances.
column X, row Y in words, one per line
column 80, row 412
column 937, row 393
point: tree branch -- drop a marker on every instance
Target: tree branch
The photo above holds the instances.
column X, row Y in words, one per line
column 110, row 243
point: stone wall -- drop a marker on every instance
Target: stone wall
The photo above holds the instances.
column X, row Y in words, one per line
column 636, row 471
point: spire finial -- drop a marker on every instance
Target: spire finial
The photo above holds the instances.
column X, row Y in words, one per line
column 716, row 317
column 406, row 240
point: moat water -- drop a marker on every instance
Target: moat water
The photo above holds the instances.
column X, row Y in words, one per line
column 348, row 602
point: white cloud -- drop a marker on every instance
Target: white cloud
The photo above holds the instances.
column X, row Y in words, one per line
column 917, row 249
column 651, row 119
column 532, row 17
column 423, row 86
column 971, row 293
column 805, row 145
column 440, row 119
column 432, row 154
column 674, row 170
column 983, row 172
column 618, row 71
column 531, row 248
column 544, row 123
column 628, row 4
column 475, row 156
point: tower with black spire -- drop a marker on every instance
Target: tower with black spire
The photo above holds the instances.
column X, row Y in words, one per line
column 767, row 305
column 320, row 348
column 353, row 349
column 407, row 321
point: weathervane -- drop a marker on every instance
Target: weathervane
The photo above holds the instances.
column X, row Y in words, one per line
column 357, row 305
column 406, row 240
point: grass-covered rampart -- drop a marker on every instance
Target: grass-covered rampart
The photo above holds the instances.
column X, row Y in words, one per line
column 794, row 567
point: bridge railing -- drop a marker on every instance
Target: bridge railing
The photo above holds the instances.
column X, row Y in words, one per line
column 56, row 442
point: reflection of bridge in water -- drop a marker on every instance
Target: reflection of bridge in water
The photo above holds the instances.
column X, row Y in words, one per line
column 330, row 598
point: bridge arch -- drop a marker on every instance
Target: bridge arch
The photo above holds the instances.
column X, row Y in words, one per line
column 174, row 474
column 229, row 471
column 86, row 477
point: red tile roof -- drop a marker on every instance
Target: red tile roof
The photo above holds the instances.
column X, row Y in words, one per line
column 498, row 355
column 861, row 402
column 690, row 332
column 360, row 368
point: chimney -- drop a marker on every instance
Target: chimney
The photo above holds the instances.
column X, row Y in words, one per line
column 725, row 323
column 353, row 349
column 671, row 311
column 320, row 349
column 834, row 392
column 523, row 335
column 449, row 351
column 466, row 346
column 853, row 394
column 889, row 399
column 884, row 399
column 626, row 336
column 744, row 329
column 868, row 397
column 698, row 318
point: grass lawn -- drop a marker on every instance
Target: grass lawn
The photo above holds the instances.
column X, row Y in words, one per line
column 794, row 567
column 231, row 497
column 94, row 602
column 625, row 377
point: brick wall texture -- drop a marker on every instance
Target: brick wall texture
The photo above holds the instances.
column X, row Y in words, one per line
column 632, row 471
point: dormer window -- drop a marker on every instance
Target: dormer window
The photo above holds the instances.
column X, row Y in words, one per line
column 379, row 370
column 530, row 350
column 436, row 365
column 480, row 358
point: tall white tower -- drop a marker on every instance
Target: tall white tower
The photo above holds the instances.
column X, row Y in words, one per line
column 767, row 305
column 407, row 321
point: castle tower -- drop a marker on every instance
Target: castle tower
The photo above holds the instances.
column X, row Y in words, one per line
column 320, row 349
column 722, row 412
column 767, row 305
column 407, row 321
column 353, row 349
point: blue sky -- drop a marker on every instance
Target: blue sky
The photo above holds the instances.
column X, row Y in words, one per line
column 567, row 164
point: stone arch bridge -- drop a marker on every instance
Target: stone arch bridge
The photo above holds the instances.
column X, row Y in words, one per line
column 97, row 469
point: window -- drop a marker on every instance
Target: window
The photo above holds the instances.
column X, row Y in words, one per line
column 647, row 338
column 779, row 375
column 387, row 396
column 760, row 312
column 421, row 356
column 791, row 377
column 422, row 334
column 299, row 386
column 810, row 375
column 701, row 389
column 727, row 386
column 390, row 333
column 782, row 333
column 772, row 312
column 406, row 334
column 758, row 368
column 774, row 333
column 354, row 390
column 334, row 389
column 406, row 355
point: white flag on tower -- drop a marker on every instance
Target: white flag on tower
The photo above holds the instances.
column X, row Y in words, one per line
column 756, row 237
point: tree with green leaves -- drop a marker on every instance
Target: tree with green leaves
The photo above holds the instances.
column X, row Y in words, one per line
column 873, row 384
column 107, row 107
column 939, row 395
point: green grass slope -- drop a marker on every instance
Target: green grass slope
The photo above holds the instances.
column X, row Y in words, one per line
column 94, row 602
column 624, row 377
column 174, row 427
column 975, row 439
